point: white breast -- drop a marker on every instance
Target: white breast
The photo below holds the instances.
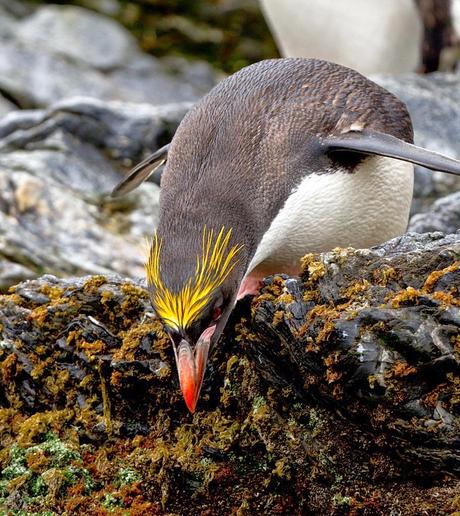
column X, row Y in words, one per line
column 339, row 209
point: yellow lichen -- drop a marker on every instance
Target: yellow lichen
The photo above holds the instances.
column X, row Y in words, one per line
column 277, row 318
column 133, row 336
column 94, row 283
column 106, row 402
column 384, row 275
column 52, row 291
column 312, row 268
column 435, row 276
column 282, row 468
column 409, row 294
column 57, row 384
column 38, row 424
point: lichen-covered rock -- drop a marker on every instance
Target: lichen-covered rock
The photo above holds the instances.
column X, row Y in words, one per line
column 383, row 343
column 443, row 215
column 337, row 392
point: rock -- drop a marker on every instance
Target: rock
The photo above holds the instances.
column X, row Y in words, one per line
column 444, row 215
column 8, row 23
column 376, row 331
column 434, row 105
column 15, row 8
column 144, row 79
column 5, row 106
column 79, row 34
column 335, row 392
column 56, row 166
column 64, row 51
column 36, row 79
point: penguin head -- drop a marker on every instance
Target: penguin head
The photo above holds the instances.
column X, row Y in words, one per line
column 195, row 305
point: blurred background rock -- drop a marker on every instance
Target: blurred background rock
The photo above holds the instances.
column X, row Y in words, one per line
column 88, row 88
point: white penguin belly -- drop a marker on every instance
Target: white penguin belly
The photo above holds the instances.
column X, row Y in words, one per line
column 339, row 209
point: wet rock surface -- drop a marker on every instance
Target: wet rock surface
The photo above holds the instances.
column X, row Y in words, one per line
column 337, row 392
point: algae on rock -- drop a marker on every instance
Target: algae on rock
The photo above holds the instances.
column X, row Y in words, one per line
column 337, row 392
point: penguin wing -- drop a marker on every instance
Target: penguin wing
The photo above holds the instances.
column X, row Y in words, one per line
column 141, row 172
column 374, row 142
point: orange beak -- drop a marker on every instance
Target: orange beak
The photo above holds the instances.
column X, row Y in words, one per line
column 191, row 366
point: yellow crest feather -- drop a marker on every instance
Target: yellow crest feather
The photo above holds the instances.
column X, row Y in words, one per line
column 216, row 262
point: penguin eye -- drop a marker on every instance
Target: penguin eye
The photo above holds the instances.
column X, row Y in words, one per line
column 216, row 313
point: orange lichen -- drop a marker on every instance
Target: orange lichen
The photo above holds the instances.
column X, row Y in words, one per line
column 384, row 275
column 407, row 295
column 435, row 276
column 91, row 349
column 446, row 298
column 277, row 318
column 356, row 288
column 456, row 342
column 402, row 369
column 313, row 269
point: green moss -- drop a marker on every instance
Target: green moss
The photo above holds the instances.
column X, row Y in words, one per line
column 17, row 466
column 341, row 501
column 59, row 452
column 127, row 476
column 109, row 501
column 38, row 486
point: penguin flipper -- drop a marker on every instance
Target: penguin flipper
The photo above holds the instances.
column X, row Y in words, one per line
column 141, row 172
column 374, row 142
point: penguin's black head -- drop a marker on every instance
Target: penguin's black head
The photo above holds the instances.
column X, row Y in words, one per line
column 195, row 308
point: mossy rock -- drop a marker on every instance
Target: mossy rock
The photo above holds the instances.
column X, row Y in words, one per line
column 334, row 393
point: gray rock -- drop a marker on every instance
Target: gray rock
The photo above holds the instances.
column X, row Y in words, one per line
column 55, row 167
column 64, row 51
column 126, row 131
column 443, row 215
column 5, row 106
column 8, row 24
column 36, row 79
column 107, row 7
column 146, row 79
column 79, row 34
column 434, row 104
column 12, row 273
column 16, row 8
